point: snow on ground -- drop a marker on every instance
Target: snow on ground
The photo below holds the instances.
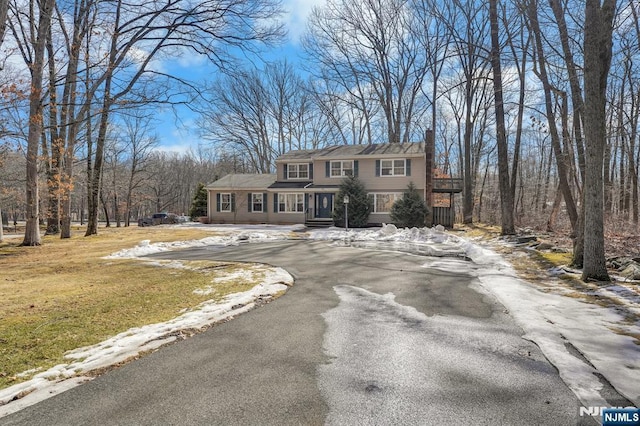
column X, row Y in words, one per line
column 137, row 340
column 556, row 323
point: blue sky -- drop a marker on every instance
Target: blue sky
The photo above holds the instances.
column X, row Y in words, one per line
column 179, row 134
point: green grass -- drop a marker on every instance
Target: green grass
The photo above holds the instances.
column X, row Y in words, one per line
column 63, row 295
column 556, row 259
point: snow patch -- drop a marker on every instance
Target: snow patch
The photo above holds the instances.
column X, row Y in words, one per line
column 552, row 321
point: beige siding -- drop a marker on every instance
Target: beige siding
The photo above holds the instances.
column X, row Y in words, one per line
column 379, row 218
column 241, row 213
column 384, row 217
column 367, row 174
column 281, row 176
column 280, row 171
column 286, row 218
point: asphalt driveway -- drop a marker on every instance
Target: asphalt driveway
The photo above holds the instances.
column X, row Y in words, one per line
column 363, row 337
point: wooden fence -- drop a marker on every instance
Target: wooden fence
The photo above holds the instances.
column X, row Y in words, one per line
column 443, row 216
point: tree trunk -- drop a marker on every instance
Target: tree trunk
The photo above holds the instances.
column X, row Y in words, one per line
column 467, row 204
column 574, row 82
column 96, row 179
column 608, row 174
column 32, row 230
column 68, row 116
column 597, row 62
column 116, row 210
column 577, row 261
column 103, row 202
column 547, row 182
column 555, row 208
column 506, row 197
column 481, row 195
column 4, row 10
column 560, row 156
column 522, row 78
column 55, row 160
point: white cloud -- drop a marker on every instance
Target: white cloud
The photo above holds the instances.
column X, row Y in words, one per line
column 190, row 59
column 298, row 12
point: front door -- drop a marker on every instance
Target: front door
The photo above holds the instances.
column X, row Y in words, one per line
column 324, row 206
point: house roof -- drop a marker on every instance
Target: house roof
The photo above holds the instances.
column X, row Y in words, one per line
column 290, row 185
column 350, row 151
column 244, row 181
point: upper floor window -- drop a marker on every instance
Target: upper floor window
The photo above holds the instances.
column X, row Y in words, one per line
column 342, row 168
column 393, row 167
column 298, row 171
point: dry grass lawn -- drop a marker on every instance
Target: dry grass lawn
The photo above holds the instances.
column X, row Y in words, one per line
column 63, row 295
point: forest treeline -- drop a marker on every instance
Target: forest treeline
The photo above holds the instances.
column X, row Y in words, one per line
column 534, row 103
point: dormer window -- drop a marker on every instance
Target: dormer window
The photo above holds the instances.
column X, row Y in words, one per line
column 298, row 171
column 341, row 168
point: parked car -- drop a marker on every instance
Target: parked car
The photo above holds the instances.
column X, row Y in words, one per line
column 145, row 221
column 160, row 219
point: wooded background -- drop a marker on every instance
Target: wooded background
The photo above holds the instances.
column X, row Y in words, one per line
column 510, row 88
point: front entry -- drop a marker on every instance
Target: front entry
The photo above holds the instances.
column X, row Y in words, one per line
column 324, row 206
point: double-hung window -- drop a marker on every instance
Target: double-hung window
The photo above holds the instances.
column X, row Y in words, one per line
column 257, row 202
column 291, row 203
column 382, row 201
column 393, row 167
column 225, row 202
column 342, row 168
column 298, row 171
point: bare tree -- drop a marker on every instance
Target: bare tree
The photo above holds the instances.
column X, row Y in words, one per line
column 574, row 80
column 241, row 119
column 506, row 197
column 33, row 51
column 598, row 33
column 139, row 141
column 71, row 115
column 431, row 32
column 262, row 114
column 154, row 28
column 467, row 21
column 348, row 112
column 370, row 51
column 541, row 72
column 519, row 41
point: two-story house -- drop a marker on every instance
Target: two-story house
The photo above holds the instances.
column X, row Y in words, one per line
column 306, row 183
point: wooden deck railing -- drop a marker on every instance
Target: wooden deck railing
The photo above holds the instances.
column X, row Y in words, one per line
column 447, row 185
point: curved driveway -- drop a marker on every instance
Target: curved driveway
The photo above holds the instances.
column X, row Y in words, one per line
column 363, row 337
